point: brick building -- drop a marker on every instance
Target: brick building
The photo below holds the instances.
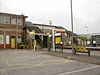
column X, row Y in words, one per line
column 11, row 29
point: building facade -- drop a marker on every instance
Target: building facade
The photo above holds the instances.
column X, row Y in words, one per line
column 11, row 30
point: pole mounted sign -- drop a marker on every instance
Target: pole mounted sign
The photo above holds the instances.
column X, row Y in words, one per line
column 32, row 32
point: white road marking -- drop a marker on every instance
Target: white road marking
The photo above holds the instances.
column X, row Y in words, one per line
column 79, row 70
column 20, row 66
column 7, row 62
column 40, row 63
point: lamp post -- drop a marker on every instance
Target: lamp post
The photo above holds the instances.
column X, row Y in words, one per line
column 73, row 51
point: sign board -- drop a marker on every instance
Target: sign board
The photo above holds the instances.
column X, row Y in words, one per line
column 58, row 34
column 7, row 40
column 19, row 40
column 32, row 32
column 58, row 40
column 1, row 39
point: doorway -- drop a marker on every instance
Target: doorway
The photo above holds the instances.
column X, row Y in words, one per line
column 13, row 42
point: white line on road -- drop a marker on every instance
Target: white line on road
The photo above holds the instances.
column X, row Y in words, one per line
column 7, row 62
column 79, row 70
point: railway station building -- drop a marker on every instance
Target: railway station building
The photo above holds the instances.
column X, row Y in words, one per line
column 11, row 29
column 15, row 29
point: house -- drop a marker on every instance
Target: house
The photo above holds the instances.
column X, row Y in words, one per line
column 11, row 29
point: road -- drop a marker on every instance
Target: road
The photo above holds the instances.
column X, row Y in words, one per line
column 21, row 62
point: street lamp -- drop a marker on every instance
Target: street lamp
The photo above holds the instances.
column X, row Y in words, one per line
column 73, row 51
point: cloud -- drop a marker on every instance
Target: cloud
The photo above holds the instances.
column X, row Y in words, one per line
column 85, row 12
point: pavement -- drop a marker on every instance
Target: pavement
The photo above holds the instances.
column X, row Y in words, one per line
column 94, row 57
column 28, row 62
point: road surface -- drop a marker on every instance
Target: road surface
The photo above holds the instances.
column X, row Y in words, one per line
column 21, row 62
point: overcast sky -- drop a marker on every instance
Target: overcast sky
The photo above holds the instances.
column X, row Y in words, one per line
column 86, row 12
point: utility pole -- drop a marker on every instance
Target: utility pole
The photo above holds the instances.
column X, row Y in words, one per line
column 73, row 51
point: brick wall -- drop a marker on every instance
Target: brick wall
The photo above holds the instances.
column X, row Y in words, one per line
column 9, row 26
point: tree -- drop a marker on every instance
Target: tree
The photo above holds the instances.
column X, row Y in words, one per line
column 84, row 38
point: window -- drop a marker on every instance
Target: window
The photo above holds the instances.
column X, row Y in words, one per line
column 7, row 20
column 19, row 21
column 4, row 19
column 13, row 20
column 7, row 39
